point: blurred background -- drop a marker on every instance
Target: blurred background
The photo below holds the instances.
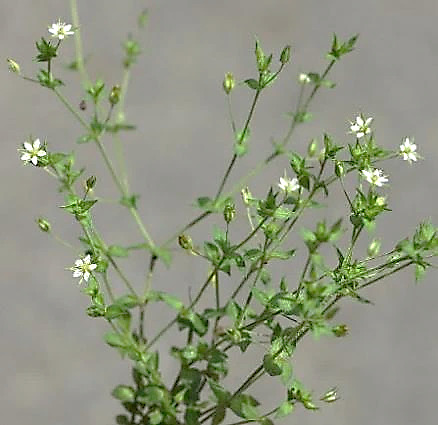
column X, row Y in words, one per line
column 55, row 368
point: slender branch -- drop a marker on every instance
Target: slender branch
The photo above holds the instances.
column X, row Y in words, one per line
column 78, row 42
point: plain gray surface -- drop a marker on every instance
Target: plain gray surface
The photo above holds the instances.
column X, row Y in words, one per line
column 55, row 369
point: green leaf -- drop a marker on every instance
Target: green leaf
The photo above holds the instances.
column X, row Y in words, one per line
column 244, row 406
column 155, row 417
column 118, row 251
column 130, row 201
column 285, row 409
column 128, row 301
column 271, row 365
column 122, row 420
column 151, row 395
column 252, row 84
column 219, row 414
column 172, row 301
column 46, row 51
column 114, row 311
column 282, row 255
column 124, row 393
column 222, row 395
column 115, row 340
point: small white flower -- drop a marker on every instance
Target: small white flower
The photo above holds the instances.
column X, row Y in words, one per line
column 287, row 185
column 32, row 152
column 83, row 268
column 408, row 151
column 304, row 78
column 360, row 127
column 60, row 30
column 375, row 177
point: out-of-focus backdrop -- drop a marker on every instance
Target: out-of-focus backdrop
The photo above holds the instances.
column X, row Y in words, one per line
column 54, row 367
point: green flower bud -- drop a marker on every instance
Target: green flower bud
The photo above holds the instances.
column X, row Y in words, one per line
column 90, row 183
column 381, row 201
column 321, row 232
column 312, row 148
column 229, row 213
column 374, row 248
column 339, row 169
column 330, row 396
column 246, row 195
column 260, row 56
column 228, row 83
column 340, row 330
column 185, row 242
column 114, row 96
column 285, row 55
column 13, row 66
column 44, row 225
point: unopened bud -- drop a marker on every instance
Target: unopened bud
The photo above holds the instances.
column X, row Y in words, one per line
column 185, row 242
column 330, row 396
column 381, row 201
column 340, row 330
column 260, row 56
column 312, row 148
column 44, row 225
column 339, row 169
column 114, row 96
column 246, row 195
column 228, row 83
column 374, row 248
column 13, row 66
column 83, row 105
column 285, row 55
column 90, row 183
column 229, row 213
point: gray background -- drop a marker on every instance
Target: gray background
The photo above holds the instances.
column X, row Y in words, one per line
column 55, row 369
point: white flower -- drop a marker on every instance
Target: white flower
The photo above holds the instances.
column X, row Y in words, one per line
column 60, row 30
column 83, row 268
column 375, row 177
column 32, row 152
column 360, row 127
column 304, row 78
column 287, row 185
column 408, row 151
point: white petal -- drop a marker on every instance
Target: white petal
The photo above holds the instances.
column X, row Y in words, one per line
column 25, row 156
column 36, row 144
column 34, row 160
column 86, row 276
column 368, row 121
column 87, row 259
column 28, row 146
column 359, row 121
column 77, row 273
column 79, row 263
column 41, row 153
column 67, row 27
column 61, row 36
column 92, row 266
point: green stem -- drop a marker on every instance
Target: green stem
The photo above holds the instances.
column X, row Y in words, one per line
column 78, row 42
column 109, row 165
column 243, row 134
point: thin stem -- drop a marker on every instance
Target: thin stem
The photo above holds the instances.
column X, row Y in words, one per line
column 109, row 165
column 78, row 42
column 243, row 135
column 108, row 287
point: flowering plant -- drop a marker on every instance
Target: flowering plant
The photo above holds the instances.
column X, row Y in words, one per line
column 242, row 257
